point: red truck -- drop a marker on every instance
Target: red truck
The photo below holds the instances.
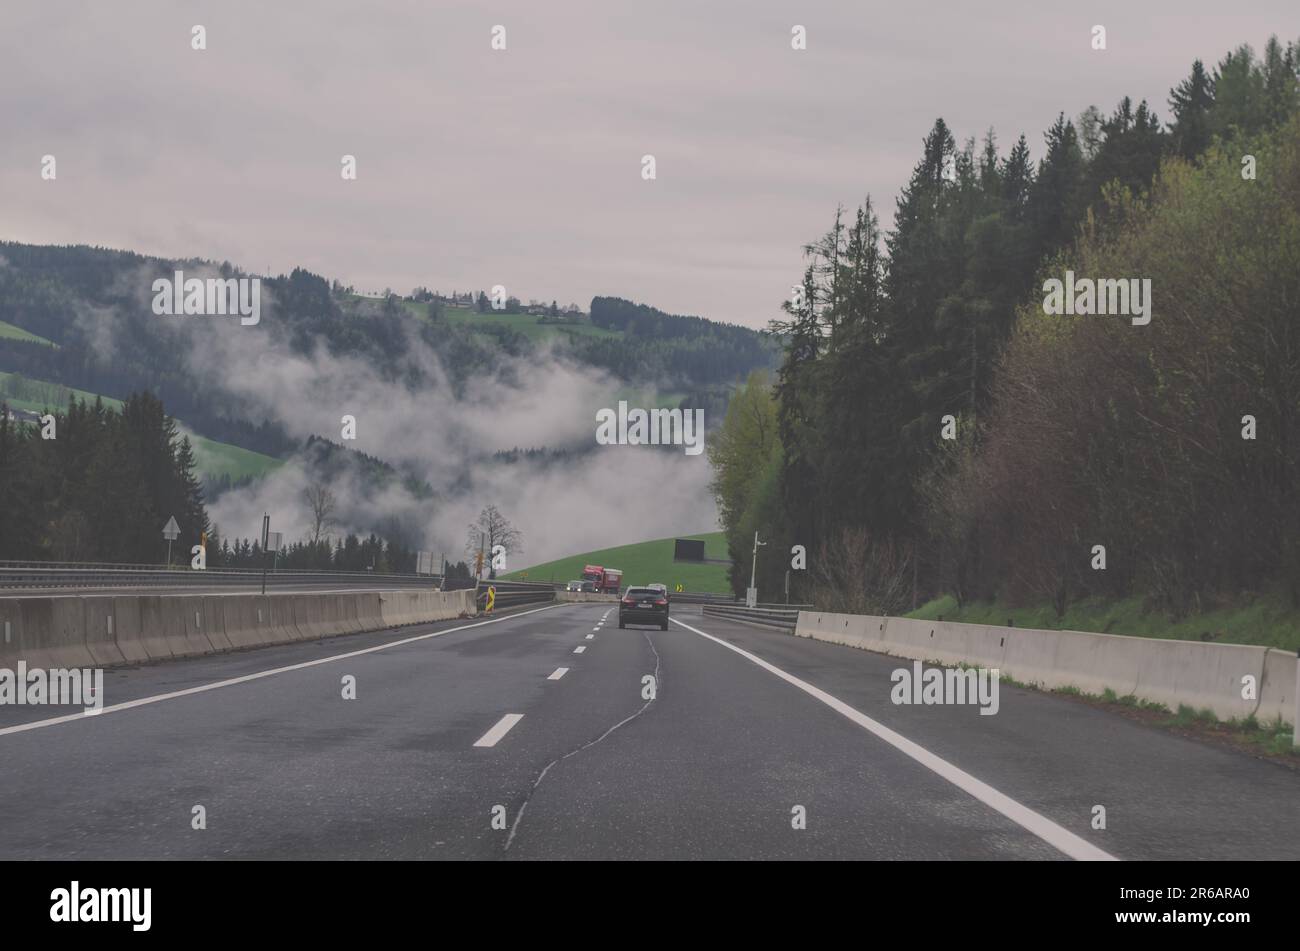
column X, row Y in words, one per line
column 606, row 580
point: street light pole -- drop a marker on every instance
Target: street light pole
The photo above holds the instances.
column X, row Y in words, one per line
column 266, row 537
column 753, row 570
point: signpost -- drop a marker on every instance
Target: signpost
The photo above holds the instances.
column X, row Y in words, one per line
column 170, row 531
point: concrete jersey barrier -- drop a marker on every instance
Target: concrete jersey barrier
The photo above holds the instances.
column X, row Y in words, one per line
column 1198, row 674
column 101, row 630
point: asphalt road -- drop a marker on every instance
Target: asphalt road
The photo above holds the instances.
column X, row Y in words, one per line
column 474, row 722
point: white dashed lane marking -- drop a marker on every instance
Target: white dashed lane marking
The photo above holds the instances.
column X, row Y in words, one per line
column 493, row 736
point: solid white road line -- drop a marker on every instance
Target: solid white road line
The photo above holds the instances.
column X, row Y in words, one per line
column 580, row 649
column 493, row 736
column 558, row 673
column 1054, row 835
column 158, row 698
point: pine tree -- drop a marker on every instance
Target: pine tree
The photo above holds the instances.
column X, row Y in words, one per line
column 1055, row 200
column 1191, row 102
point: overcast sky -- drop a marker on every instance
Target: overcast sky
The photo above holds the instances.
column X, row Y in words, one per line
column 523, row 167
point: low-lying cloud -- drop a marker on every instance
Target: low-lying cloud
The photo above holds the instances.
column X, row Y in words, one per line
column 599, row 497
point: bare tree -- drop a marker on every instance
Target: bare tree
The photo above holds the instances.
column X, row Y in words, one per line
column 854, row 574
column 492, row 529
column 323, row 505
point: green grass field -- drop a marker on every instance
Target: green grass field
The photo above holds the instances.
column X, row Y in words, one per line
column 211, row 458
column 38, row 395
column 17, row 333
column 1265, row 621
column 527, row 324
column 642, row 563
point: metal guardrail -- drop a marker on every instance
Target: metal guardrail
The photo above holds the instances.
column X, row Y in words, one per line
column 510, row 594
column 73, row 575
column 783, row 617
column 701, row 597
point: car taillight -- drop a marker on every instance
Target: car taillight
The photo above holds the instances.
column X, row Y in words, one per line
column 629, row 601
column 662, row 601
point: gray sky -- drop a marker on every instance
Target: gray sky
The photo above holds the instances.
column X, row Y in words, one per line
column 522, row 167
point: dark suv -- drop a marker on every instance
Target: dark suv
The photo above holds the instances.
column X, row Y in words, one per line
column 643, row 606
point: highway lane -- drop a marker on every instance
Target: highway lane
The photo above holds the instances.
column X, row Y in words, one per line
column 712, row 767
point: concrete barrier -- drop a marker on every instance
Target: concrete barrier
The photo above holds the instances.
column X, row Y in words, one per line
column 398, row 608
column 1198, row 674
column 101, row 631
column 127, row 630
column 153, row 627
column 350, row 613
column 185, row 617
column 45, row 632
column 307, row 615
column 282, row 620
column 214, row 622
column 247, row 621
column 584, row 596
column 333, row 616
column 370, row 614
column 98, row 631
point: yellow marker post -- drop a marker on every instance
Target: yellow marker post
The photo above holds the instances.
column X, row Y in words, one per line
column 491, row 599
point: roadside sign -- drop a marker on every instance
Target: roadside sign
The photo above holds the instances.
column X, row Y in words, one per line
column 679, row 587
column 491, row 599
column 170, row 531
column 274, row 540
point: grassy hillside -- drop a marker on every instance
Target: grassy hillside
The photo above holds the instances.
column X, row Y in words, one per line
column 1266, row 621
column 17, row 333
column 527, row 324
column 211, row 458
column 22, row 392
column 642, row 563
column 530, row 325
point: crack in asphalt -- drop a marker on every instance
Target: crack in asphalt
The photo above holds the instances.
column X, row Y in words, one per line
column 514, row 826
